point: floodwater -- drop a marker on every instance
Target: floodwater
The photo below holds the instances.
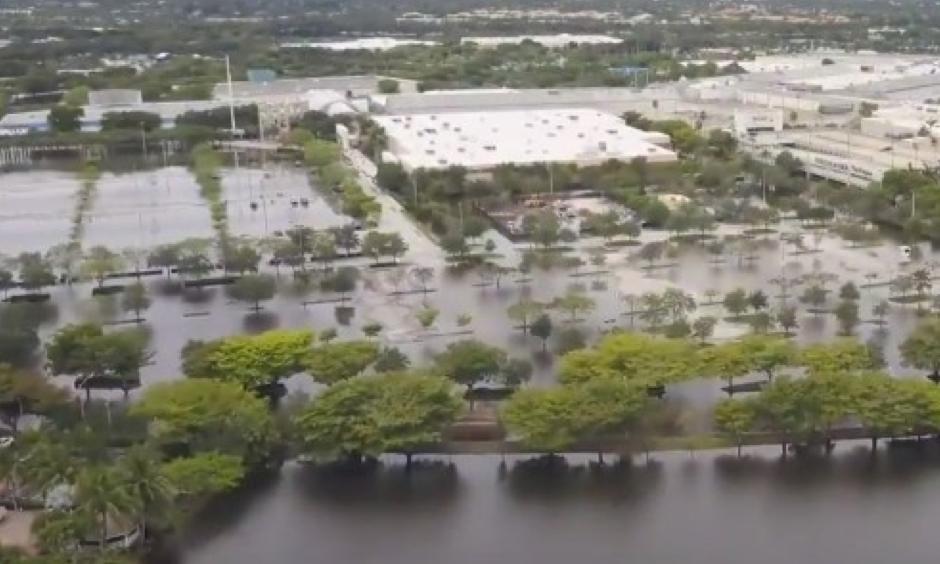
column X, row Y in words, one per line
column 708, row 509
column 149, row 207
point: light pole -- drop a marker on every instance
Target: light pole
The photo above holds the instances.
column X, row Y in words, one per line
column 231, row 94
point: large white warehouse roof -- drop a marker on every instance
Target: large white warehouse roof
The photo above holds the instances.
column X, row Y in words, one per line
column 483, row 140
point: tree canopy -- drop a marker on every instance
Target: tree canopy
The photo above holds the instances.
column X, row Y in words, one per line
column 201, row 415
column 253, row 361
column 632, row 357
column 373, row 415
column 333, row 362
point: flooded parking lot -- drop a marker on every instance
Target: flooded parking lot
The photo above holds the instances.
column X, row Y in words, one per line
column 150, row 207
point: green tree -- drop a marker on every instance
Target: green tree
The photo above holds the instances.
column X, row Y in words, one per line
column 542, row 228
column 346, row 237
column 204, row 474
column 921, row 349
column 735, row 417
column 728, row 361
column 426, row 317
column 6, row 281
column 814, row 296
column 253, row 361
column 469, row 362
column 253, row 289
column 165, row 256
column 323, row 248
column 194, row 265
column 881, row 406
column 374, row 245
column 200, row 415
column 455, row 245
column 703, row 327
column 22, row 393
column 605, row 408
column 391, row 359
column 241, row 259
column 736, row 302
column 761, row 322
column 779, row 409
column 786, row 318
column 515, row 372
column 133, row 120
column 388, row 86
column 651, row 252
column 372, row 329
column 848, row 291
column 632, row 357
column 840, row 355
column 574, row 303
column 542, row 328
column 98, row 493
column 768, row 354
column 97, row 359
column 757, row 300
column 135, row 299
column 373, row 415
column 35, row 272
column 543, row 419
column 76, row 96
column 847, row 315
column 880, row 310
column 141, row 475
column 343, row 281
column 65, row 119
column 524, row 311
column 99, row 262
column 320, row 152
column 392, row 177
column 334, row 362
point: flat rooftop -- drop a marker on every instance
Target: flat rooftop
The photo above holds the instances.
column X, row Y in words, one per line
column 557, row 40
column 484, row 140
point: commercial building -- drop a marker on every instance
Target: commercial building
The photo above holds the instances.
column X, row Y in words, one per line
column 904, row 121
column 365, row 43
column 613, row 100
column 550, row 41
column 749, row 122
column 484, row 140
column 115, row 97
column 352, row 86
column 24, row 123
column 848, row 157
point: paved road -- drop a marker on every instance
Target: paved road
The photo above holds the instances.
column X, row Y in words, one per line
column 421, row 249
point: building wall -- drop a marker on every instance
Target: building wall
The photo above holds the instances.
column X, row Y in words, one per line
column 611, row 99
column 115, row 97
column 748, row 121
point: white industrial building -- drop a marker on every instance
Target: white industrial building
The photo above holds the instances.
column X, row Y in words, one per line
column 615, row 100
column 904, row 121
column 748, row 121
column 550, row 41
column 115, row 97
column 352, row 86
column 363, row 44
column 484, row 140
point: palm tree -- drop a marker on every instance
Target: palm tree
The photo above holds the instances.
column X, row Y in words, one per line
column 921, row 280
column 144, row 481
column 45, row 465
column 99, row 495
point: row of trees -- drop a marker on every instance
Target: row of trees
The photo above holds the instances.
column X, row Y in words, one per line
column 260, row 362
column 811, row 410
